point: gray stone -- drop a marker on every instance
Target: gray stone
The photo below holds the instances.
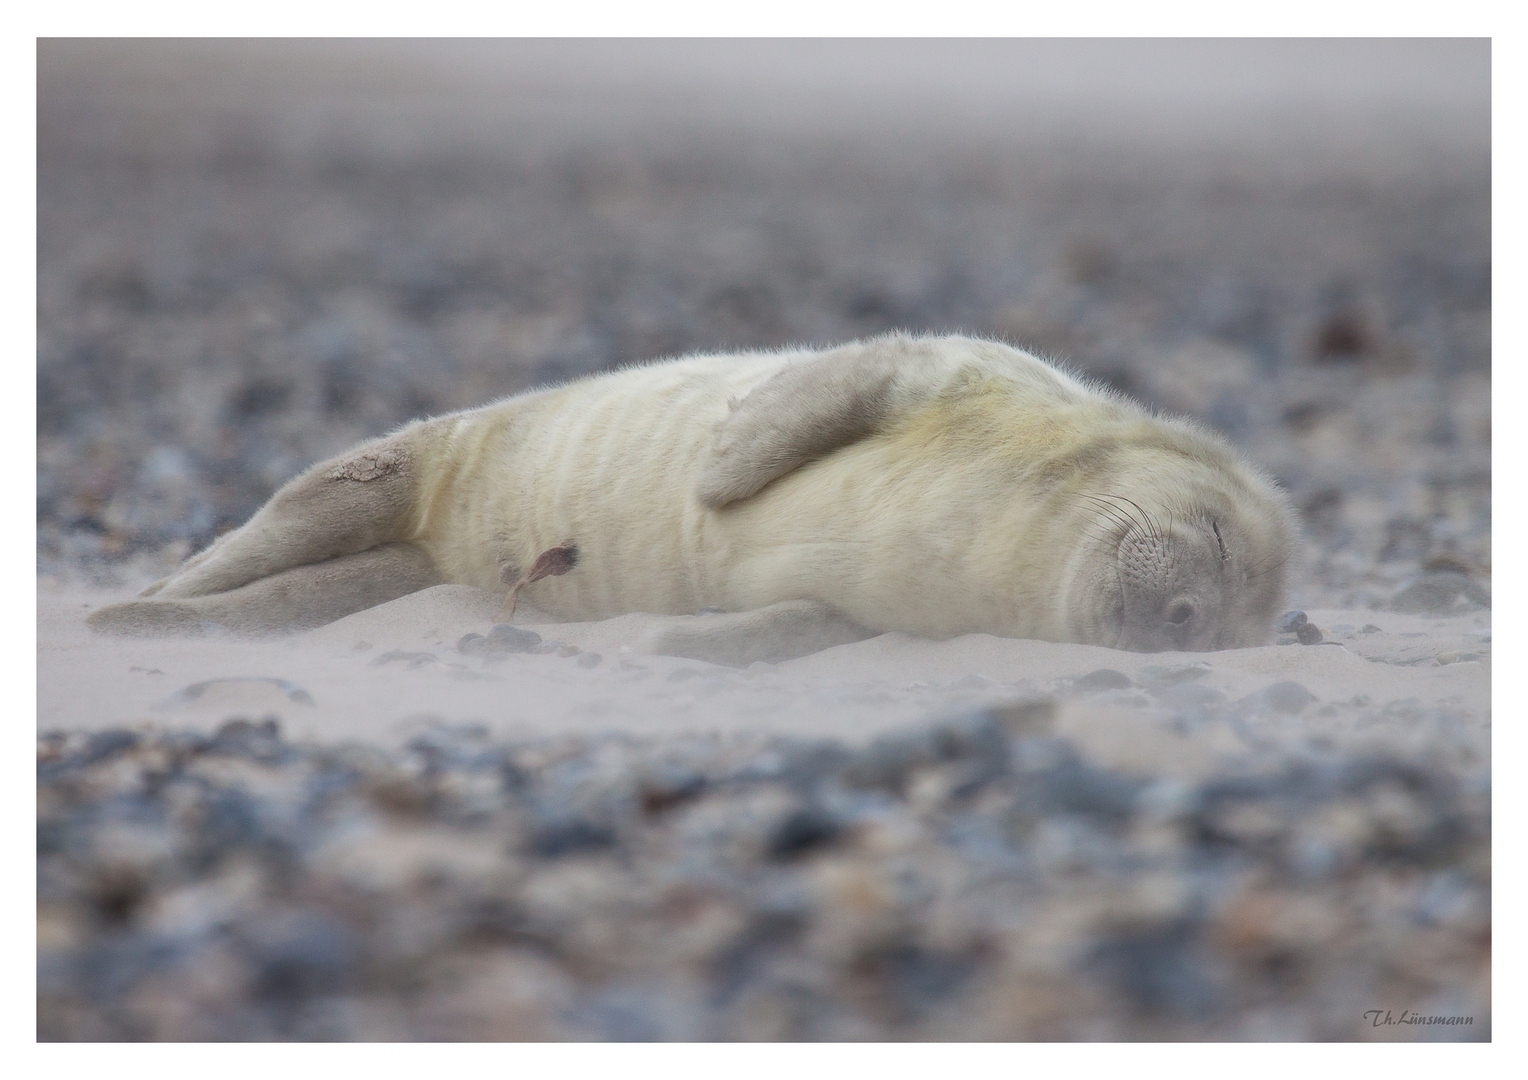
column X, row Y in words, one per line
column 1291, row 621
column 507, row 638
column 1103, row 679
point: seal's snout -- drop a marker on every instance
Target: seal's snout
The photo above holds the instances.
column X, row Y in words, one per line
column 1172, row 589
column 1188, row 590
column 1156, row 621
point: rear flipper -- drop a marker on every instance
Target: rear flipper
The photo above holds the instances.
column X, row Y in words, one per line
column 344, row 506
column 295, row 599
column 329, row 543
column 778, row 632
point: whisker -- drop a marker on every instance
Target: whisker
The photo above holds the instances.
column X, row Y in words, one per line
column 1111, row 532
column 1141, row 518
column 1110, row 502
column 1263, row 562
column 1103, row 547
column 1268, row 570
column 1110, row 538
column 1152, row 524
column 1100, row 504
column 1115, row 513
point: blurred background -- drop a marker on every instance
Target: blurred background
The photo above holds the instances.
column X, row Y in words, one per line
column 252, row 254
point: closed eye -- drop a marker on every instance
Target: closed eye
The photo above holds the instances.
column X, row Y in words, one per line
column 1225, row 555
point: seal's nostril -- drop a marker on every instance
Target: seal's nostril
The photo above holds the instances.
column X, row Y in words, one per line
column 1180, row 614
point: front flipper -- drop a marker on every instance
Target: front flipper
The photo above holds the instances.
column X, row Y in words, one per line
column 814, row 407
column 778, row 632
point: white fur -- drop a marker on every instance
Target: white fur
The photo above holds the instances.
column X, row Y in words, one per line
column 933, row 525
column 935, row 486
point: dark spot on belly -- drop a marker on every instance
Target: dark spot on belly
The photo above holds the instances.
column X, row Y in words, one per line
column 554, row 562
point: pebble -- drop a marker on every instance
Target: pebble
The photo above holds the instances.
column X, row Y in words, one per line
column 257, row 739
column 410, row 660
column 666, row 786
column 612, row 855
column 502, row 640
column 802, row 831
column 1291, row 621
column 197, row 691
column 1103, row 679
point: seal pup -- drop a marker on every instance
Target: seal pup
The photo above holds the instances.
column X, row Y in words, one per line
column 930, row 485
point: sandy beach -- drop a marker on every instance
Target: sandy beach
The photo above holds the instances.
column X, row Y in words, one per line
column 1415, row 682
column 1245, row 803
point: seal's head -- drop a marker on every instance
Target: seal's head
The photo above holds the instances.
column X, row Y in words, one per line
column 1190, row 562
